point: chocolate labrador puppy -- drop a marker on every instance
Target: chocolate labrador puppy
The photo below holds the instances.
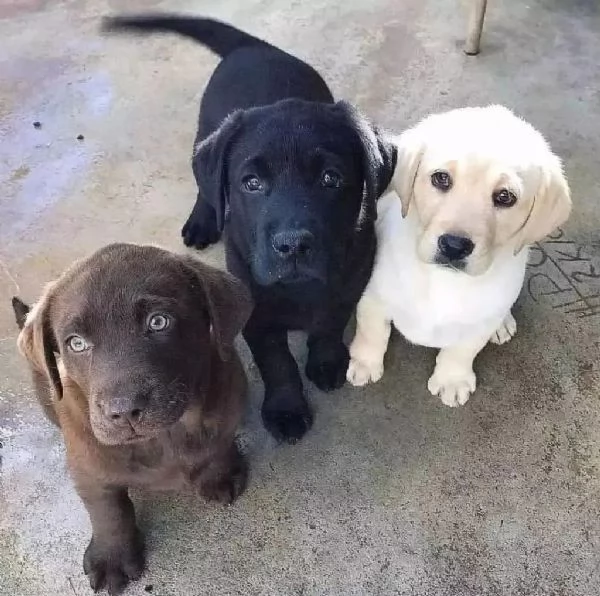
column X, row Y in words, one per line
column 292, row 178
column 131, row 352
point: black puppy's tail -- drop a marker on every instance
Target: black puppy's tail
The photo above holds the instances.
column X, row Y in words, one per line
column 21, row 311
column 219, row 37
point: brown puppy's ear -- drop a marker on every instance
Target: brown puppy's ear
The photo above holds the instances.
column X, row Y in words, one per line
column 410, row 146
column 209, row 164
column 551, row 205
column 37, row 342
column 228, row 300
column 379, row 154
column 21, row 311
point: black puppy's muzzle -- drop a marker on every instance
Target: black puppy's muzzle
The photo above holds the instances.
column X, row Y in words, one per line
column 293, row 244
column 453, row 250
column 290, row 249
column 297, row 256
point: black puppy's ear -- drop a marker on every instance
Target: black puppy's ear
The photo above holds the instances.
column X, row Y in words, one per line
column 37, row 341
column 228, row 300
column 209, row 164
column 389, row 154
column 379, row 154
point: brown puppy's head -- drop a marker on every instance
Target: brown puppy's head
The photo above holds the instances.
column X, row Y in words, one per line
column 479, row 181
column 135, row 328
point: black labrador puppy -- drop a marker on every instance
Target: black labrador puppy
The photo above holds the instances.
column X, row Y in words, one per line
column 293, row 179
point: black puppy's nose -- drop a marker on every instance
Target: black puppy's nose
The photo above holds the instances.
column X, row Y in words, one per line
column 294, row 243
column 121, row 409
column 454, row 247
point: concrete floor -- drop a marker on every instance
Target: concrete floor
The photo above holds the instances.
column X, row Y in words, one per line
column 391, row 492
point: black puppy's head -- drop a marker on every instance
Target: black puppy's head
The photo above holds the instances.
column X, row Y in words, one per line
column 298, row 180
column 135, row 329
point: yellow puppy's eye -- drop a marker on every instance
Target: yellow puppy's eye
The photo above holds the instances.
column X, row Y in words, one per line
column 77, row 343
column 504, row 198
column 441, row 180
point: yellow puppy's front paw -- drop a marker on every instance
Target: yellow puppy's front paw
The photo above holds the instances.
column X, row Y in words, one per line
column 452, row 386
column 506, row 331
column 360, row 373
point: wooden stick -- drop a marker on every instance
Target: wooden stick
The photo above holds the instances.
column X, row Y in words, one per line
column 475, row 26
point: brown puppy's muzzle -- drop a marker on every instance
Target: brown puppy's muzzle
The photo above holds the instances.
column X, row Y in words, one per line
column 135, row 409
column 127, row 409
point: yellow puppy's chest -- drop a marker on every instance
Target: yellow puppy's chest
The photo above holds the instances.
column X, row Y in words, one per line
column 433, row 306
column 439, row 313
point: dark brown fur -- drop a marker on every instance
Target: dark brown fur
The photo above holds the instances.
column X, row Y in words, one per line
column 139, row 407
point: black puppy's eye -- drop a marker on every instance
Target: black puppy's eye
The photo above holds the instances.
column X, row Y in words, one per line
column 504, row 198
column 441, row 180
column 252, row 184
column 77, row 344
column 158, row 322
column 331, row 179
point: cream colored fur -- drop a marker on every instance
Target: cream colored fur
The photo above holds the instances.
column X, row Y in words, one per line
column 484, row 150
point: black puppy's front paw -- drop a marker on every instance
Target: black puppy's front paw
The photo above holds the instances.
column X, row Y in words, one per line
column 287, row 417
column 327, row 366
column 200, row 232
column 114, row 566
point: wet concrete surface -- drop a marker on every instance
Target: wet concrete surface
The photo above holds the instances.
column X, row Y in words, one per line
column 391, row 492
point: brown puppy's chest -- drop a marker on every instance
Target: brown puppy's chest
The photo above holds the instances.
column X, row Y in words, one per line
column 169, row 462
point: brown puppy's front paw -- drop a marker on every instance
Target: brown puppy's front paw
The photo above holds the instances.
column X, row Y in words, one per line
column 113, row 566
column 227, row 487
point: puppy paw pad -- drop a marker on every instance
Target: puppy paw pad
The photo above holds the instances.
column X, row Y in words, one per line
column 199, row 235
column 287, row 426
column 454, row 389
column 326, row 368
column 227, row 490
column 506, row 331
column 360, row 373
column 113, row 568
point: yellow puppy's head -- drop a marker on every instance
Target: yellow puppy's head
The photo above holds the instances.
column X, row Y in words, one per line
column 478, row 180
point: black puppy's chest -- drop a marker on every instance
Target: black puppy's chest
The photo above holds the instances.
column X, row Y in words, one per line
column 305, row 305
column 294, row 307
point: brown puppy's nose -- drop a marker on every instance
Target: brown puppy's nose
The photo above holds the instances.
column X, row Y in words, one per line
column 125, row 409
column 293, row 243
column 454, row 247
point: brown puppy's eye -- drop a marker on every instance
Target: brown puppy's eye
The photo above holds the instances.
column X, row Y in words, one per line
column 158, row 322
column 504, row 198
column 252, row 183
column 77, row 344
column 331, row 179
column 441, row 180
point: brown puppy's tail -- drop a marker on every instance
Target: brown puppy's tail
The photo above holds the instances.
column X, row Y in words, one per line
column 21, row 311
column 219, row 37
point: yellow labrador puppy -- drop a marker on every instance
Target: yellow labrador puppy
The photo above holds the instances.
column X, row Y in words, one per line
column 476, row 187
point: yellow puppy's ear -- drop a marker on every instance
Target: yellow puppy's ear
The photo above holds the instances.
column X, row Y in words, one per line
column 410, row 146
column 551, row 205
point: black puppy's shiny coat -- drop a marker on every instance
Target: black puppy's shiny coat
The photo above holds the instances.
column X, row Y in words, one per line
column 292, row 178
